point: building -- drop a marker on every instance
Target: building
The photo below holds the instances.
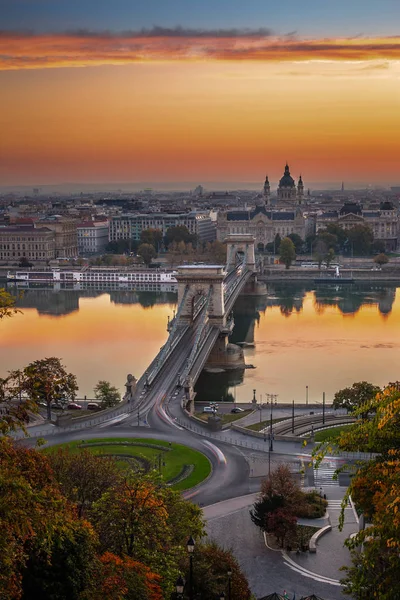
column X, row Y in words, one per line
column 33, row 244
column 130, row 226
column 264, row 223
column 92, row 237
column 383, row 222
column 65, row 235
column 270, row 216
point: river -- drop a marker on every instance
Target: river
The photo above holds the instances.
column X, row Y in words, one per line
column 323, row 337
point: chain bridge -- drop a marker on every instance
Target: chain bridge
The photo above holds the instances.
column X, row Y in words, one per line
column 203, row 320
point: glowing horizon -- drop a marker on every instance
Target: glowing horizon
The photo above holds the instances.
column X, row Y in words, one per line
column 197, row 105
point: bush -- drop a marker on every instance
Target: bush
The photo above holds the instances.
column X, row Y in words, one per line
column 313, row 506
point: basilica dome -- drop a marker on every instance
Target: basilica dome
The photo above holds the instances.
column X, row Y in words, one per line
column 287, row 180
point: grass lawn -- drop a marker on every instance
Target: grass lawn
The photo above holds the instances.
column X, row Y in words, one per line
column 170, row 457
column 330, row 433
column 258, row 426
column 226, row 418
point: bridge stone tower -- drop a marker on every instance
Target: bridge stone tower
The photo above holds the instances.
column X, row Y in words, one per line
column 244, row 244
column 196, row 284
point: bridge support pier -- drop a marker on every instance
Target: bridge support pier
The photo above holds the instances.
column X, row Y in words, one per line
column 225, row 355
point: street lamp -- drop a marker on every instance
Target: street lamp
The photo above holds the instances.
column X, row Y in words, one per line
column 306, row 395
column 229, row 583
column 180, row 584
column 190, row 548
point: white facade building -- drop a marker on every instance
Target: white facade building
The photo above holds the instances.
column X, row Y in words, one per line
column 92, row 237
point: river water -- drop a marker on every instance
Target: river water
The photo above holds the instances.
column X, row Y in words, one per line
column 298, row 335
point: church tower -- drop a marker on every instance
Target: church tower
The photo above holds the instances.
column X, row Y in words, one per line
column 287, row 192
column 267, row 191
column 300, row 191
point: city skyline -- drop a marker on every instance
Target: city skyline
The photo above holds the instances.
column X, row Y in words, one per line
column 177, row 94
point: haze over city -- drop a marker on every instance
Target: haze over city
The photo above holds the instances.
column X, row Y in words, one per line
column 161, row 94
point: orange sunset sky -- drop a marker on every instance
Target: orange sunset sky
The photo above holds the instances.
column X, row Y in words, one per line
column 196, row 105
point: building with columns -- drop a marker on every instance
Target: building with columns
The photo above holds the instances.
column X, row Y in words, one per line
column 383, row 222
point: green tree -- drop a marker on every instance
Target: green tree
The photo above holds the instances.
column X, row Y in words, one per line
column 263, row 507
column 320, row 251
column 107, row 394
column 329, row 257
column 16, row 405
column 147, row 252
column 352, row 398
column 47, row 380
column 180, row 233
column 7, row 304
column 360, row 238
column 381, row 259
column 151, row 236
column 297, row 241
column 210, row 569
column 338, row 232
column 287, row 252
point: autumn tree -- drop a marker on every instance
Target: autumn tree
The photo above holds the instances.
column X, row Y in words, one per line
column 107, row 394
column 281, row 523
column 287, row 252
column 83, row 476
column 123, row 578
column 147, row 252
column 351, row 398
column 381, row 259
column 375, row 488
column 180, row 233
column 47, row 380
column 263, row 507
column 37, row 523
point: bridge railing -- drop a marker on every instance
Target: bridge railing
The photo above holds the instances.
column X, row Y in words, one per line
column 200, row 335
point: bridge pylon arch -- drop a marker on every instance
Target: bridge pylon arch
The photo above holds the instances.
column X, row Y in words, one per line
column 196, row 283
column 244, row 244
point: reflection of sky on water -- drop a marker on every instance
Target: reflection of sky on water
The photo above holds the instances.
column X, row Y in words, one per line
column 325, row 338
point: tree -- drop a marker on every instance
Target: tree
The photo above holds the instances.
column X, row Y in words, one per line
column 123, row 578
column 16, row 405
column 354, row 397
column 360, row 237
column 147, row 252
column 287, row 252
column 151, row 236
column 263, row 507
column 46, row 380
column 180, row 233
column 35, row 521
column 375, row 488
column 210, row 569
column 297, row 241
column 339, row 232
column 7, row 304
column 24, row 263
column 83, row 476
column 381, row 259
column 281, row 523
column 329, row 257
column 320, row 251
column 107, row 394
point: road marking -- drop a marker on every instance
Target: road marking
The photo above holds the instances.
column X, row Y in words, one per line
column 216, row 451
column 113, row 420
column 306, row 573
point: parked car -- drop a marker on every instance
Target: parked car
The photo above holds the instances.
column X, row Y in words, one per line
column 237, row 409
column 74, row 406
column 209, row 409
column 55, row 406
column 93, row 406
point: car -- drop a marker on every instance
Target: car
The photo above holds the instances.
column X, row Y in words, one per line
column 237, row 409
column 55, row 406
column 74, row 406
column 93, row 406
column 209, row 409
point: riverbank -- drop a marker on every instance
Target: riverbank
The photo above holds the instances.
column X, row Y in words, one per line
column 359, row 275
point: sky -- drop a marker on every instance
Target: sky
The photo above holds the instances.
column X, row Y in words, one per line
column 186, row 91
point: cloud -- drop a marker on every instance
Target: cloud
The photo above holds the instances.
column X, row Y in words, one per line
column 28, row 50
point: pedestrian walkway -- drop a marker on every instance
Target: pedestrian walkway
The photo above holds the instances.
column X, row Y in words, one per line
column 324, row 475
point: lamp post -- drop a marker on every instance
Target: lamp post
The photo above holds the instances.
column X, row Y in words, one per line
column 180, row 584
column 190, row 548
column 306, row 395
column 229, row 584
